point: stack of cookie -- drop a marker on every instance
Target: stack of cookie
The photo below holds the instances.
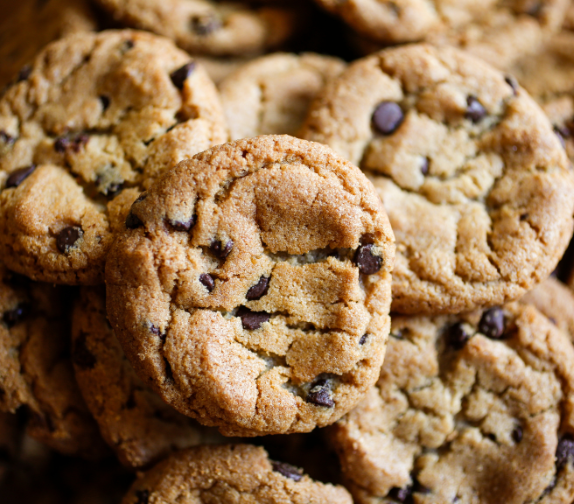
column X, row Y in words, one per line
column 307, row 277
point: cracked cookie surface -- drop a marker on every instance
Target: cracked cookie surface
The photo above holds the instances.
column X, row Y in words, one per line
column 133, row 420
column 478, row 189
column 230, row 473
column 36, row 373
column 252, row 287
column 473, row 409
column 95, row 120
column 271, row 95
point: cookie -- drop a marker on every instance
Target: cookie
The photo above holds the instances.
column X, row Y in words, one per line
column 206, row 27
column 476, row 184
column 31, row 26
column 133, row 420
column 271, row 95
column 97, row 115
column 468, row 409
column 251, row 286
column 230, row 473
column 36, row 375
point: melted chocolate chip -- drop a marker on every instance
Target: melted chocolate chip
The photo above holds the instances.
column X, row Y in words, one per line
column 457, row 336
column 363, row 339
column 287, row 470
column 565, row 450
column 252, row 320
column 258, row 290
column 207, row 280
column 18, row 176
column 12, row 317
column 492, row 323
column 81, row 356
column 367, row 262
column 6, row 138
column 511, row 81
column 182, row 226
column 142, row 496
column 387, row 117
column 320, row 394
column 221, row 251
column 204, row 25
column 474, row 110
column 133, row 221
column 179, row 76
column 24, row 73
column 68, row 237
column 425, row 166
column 517, row 434
column 105, row 101
column 400, row 494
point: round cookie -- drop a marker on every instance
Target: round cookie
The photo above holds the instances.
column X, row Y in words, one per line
column 468, row 409
column 133, row 420
column 476, row 184
column 36, row 374
column 271, row 95
column 98, row 114
column 206, row 27
column 231, row 473
column 251, row 286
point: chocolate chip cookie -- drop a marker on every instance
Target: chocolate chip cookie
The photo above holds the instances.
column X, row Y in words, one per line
column 133, row 420
column 271, row 95
column 98, row 114
column 36, row 375
column 251, row 286
column 231, row 473
column 478, row 189
column 207, row 27
column 468, row 409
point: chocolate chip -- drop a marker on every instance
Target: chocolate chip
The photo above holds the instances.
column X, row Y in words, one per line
column 258, row 290
column 565, row 450
column 363, row 339
column 105, row 100
column 204, row 25
column 68, row 237
column 133, row 221
column 492, row 323
column 320, row 394
column 6, row 138
column 12, row 317
column 457, row 336
column 207, row 280
column 179, row 76
column 64, row 144
column 252, row 320
column 24, row 73
column 142, row 496
column 425, row 166
column 400, row 494
column 221, row 251
column 18, row 176
column 81, row 356
column 287, row 470
column 474, row 110
column 511, row 81
column 182, row 226
column 517, row 434
column 127, row 46
column 156, row 330
column 367, row 262
column 387, row 117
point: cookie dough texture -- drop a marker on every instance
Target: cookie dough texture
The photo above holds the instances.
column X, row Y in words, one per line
column 98, row 117
column 36, row 374
column 231, row 473
column 271, row 95
column 206, row 27
column 476, row 184
column 236, row 294
column 458, row 416
column 25, row 31
column 133, row 420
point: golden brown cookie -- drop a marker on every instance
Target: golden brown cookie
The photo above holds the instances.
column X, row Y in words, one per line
column 98, row 115
column 251, row 286
column 478, row 189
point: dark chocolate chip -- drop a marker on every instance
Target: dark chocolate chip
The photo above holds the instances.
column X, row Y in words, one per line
column 517, row 434
column 133, row 221
column 67, row 238
column 258, row 290
column 457, row 336
column 363, row 339
column 204, row 25
column 221, row 251
column 156, row 330
column 320, row 394
column 400, row 494
column 387, row 117
column 511, row 81
column 182, row 226
column 24, row 73
column 81, row 356
column 474, row 110
column 565, row 450
column 18, row 176
column 287, row 470
column 142, row 496
column 105, row 100
column 12, row 317
column 207, row 280
column 127, row 45
column 425, row 166
column 492, row 323
column 64, row 144
column 6, row 138
column 252, row 320
column 179, row 76
column 367, row 262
